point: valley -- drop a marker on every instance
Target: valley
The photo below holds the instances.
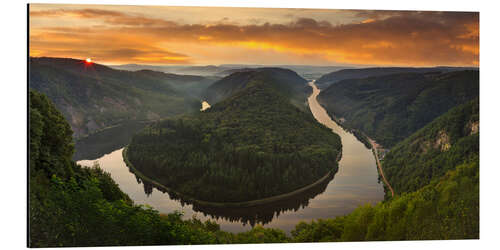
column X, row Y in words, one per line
column 307, row 169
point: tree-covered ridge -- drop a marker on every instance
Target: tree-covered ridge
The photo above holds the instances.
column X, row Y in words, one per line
column 254, row 144
column 93, row 96
column 390, row 108
column 285, row 80
column 326, row 80
column 446, row 142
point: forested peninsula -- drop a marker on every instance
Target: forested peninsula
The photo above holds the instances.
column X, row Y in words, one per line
column 252, row 145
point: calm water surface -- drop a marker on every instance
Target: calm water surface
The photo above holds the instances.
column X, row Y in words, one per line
column 355, row 183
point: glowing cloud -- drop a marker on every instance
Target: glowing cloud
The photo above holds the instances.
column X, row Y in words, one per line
column 371, row 37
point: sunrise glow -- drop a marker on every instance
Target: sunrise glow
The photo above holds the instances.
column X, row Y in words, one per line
column 196, row 35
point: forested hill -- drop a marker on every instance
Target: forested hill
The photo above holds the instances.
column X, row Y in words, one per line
column 333, row 77
column 390, row 108
column 93, row 96
column 450, row 140
column 284, row 80
column 252, row 145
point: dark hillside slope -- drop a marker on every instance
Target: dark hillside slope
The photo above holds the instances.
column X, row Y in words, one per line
column 252, row 145
column 284, row 80
column 448, row 141
column 93, row 96
column 333, row 77
column 392, row 107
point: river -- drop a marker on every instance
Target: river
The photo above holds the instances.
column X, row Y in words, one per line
column 356, row 183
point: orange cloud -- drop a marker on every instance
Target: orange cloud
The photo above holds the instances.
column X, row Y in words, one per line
column 369, row 20
column 385, row 38
column 111, row 17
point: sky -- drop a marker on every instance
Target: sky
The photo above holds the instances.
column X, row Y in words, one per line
column 162, row 35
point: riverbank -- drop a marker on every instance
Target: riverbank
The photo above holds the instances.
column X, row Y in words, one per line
column 225, row 204
column 379, row 165
column 359, row 135
column 369, row 143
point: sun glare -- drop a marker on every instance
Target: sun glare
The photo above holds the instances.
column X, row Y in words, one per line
column 88, row 60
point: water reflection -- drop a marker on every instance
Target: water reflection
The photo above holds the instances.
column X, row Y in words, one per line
column 252, row 215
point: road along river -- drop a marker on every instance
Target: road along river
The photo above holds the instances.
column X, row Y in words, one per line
column 355, row 184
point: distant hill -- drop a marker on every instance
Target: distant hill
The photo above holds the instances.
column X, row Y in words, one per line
column 308, row 72
column 343, row 74
column 228, row 72
column 201, row 70
column 94, row 96
column 251, row 145
column 284, row 80
column 448, row 141
column 137, row 67
column 188, row 85
column 313, row 72
column 207, row 70
column 192, row 83
column 390, row 108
